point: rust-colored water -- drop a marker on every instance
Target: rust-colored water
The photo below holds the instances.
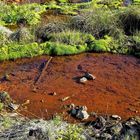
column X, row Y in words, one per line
column 116, row 89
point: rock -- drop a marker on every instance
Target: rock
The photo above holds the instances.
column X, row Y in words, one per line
column 6, row 77
column 73, row 112
column 82, row 113
column 72, row 106
column 13, row 106
column 89, row 76
column 53, row 94
column 26, row 102
column 83, row 80
column 97, row 135
column 116, row 117
column 84, row 108
column 42, row 101
column 34, row 90
column 79, row 112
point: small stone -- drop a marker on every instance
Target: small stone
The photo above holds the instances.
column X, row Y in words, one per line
column 82, row 113
column 6, row 77
column 97, row 135
column 53, row 94
column 65, row 98
column 42, row 101
column 84, row 108
column 34, row 90
column 26, row 102
column 73, row 112
column 89, row 76
column 72, row 106
column 116, row 117
column 83, row 80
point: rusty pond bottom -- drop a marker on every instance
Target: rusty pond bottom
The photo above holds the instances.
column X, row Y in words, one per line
column 116, row 89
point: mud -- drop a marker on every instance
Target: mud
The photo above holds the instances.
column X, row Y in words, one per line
column 116, row 89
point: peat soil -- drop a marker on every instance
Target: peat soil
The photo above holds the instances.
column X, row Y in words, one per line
column 116, row 89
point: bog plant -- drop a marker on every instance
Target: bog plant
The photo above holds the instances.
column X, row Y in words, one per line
column 98, row 22
column 73, row 132
column 98, row 28
column 71, row 37
column 10, row 14
column 129, row 18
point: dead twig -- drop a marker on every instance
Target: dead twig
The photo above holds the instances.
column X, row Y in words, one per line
column 43, row 71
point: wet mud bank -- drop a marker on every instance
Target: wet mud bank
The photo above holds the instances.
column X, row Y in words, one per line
column 116, row 89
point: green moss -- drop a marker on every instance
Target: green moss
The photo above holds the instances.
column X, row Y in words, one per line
column 65, row 46
column 55, row 48
column 62, row 1
column 15, row 50
column 100, row 46
column 10, row 14
column 4, row 53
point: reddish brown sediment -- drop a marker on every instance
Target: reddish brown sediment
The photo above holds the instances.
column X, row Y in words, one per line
column 116, row 89
column 51, row 16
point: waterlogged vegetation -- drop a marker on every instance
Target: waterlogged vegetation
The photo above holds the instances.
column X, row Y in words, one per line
column 95, row 26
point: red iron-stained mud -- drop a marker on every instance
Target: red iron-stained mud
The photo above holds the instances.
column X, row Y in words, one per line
column 116, row 89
